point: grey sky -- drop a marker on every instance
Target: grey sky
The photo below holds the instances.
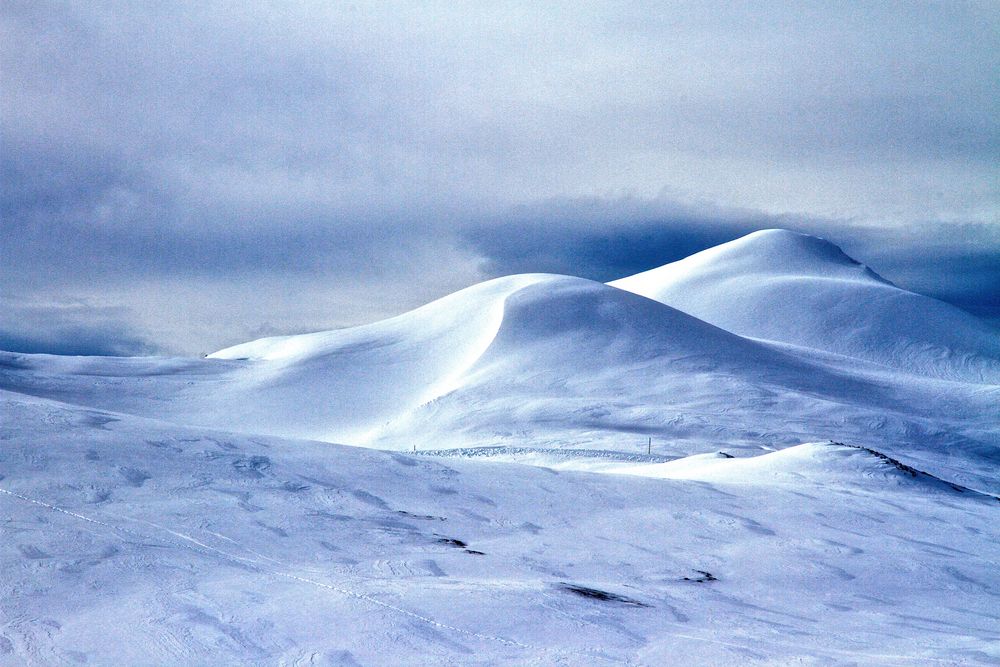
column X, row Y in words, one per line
column 183, row 176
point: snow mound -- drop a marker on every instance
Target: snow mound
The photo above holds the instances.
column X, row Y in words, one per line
column 550, row 362
column 765, row 252
column 337, row 385
column 545, row 362
column 793, row 288
column 826, row 464
column 575, row 363
column 516, row 331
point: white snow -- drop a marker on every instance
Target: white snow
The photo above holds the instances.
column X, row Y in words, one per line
column 547, row 436
column 799, row 289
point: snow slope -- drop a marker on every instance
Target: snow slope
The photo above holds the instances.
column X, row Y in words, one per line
column 553, row 493
column 830, row 464
column 130, row 541
column 339, row 384
column 522, row 332
column 539, row 360
column 794, row 288
column 542, row 360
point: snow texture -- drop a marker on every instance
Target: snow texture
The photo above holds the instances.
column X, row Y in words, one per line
column 762, row 454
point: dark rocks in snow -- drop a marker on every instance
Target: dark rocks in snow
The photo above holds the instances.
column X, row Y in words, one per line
column 459, row 544
column 597, row 594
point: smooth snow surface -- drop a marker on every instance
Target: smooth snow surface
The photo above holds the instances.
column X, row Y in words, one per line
column 793, row 288
column 639, row 473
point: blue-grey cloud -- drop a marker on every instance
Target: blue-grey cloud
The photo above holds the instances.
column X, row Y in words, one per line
column 75, row 341
column 69, row 328
column 957, row 263
column 608, row 239
column 206, row 157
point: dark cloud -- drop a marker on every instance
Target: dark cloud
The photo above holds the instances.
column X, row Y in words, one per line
column 604, row 240
column 76, row 341
column 957, row 263
column 68, row 328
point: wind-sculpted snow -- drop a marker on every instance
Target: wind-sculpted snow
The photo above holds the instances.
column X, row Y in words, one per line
column 580, row 475
column 793, row 288
column 131, row 541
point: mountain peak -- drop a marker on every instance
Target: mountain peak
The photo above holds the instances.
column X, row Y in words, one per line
column 784, row 247
column 794, row 288
column 762, row 253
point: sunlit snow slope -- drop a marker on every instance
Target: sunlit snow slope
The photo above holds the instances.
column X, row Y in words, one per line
column 799, row 289
column 561, row 362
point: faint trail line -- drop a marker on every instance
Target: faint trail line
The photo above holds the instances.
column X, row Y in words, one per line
column 405, row 612
column 287, row 575
column 346, row 592
column 58, row 509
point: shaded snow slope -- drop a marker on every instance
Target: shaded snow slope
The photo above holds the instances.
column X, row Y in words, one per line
column 799, row 289
column 128, row 541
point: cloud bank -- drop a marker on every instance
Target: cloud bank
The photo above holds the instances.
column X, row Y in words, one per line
column 192, row 175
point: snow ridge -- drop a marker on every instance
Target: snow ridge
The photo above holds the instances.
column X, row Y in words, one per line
column 798, row 289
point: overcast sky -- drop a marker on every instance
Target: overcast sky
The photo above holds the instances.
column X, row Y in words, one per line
column 178, row 177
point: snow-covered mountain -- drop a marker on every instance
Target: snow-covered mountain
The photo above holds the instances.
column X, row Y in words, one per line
column 560, row 362
column 794, row 288
column 554, row 491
